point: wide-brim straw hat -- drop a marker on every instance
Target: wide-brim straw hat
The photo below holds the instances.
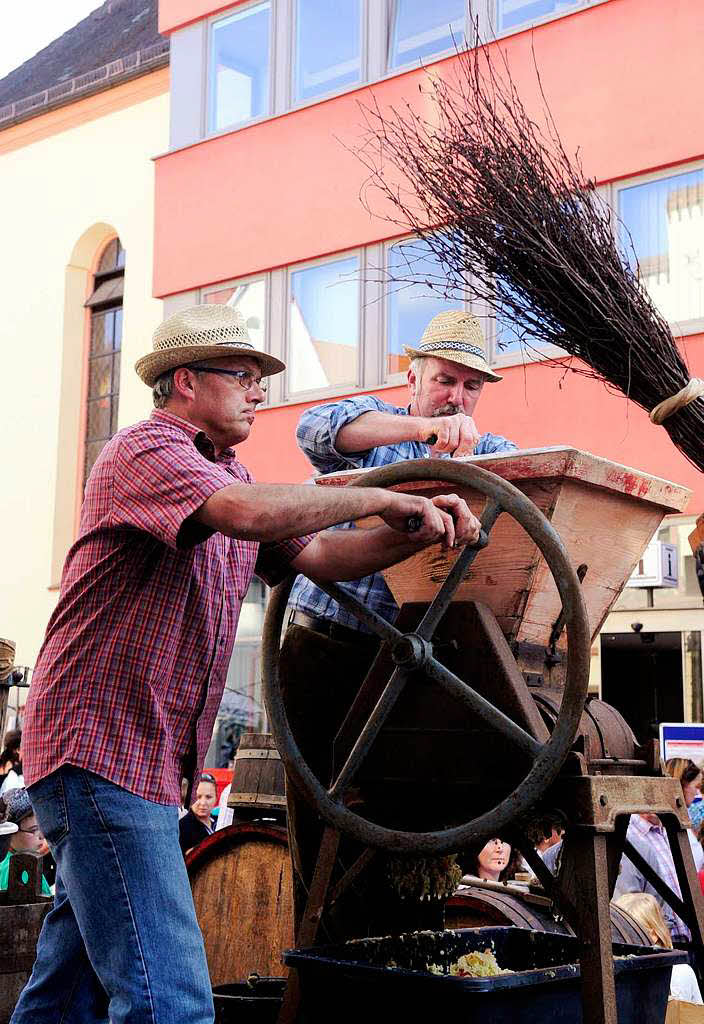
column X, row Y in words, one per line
column 455, row 335
column 202, row 332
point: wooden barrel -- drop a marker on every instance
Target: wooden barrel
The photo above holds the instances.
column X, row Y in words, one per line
column 479, row 906
column 241, row 883
column 22, row 913
column 258, row 780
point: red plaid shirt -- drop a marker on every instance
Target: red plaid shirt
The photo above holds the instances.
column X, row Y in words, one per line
column 135, row 657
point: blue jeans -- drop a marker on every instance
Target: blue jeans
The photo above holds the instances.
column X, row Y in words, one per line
column 122, row 941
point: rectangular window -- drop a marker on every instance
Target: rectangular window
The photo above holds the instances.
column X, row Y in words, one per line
column 410, row 307
column 324, row 326
column 665, row 219
column 250, row 300
column 239, row 67
column 511, row 14
column 328, row 47
column 421, row 29
column 103, row 394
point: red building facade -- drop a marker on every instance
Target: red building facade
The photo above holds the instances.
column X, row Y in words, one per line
column 257, row 204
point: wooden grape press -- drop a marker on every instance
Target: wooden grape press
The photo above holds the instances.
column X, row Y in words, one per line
column 472, row 716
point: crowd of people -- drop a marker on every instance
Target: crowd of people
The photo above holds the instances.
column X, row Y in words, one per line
column 495, row 861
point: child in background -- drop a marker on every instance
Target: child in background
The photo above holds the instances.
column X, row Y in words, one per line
column 28, row 837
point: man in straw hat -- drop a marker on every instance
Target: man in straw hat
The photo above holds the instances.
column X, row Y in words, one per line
column 446, row 376
column 130, row 676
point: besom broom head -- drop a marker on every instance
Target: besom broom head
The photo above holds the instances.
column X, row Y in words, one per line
column 515, row 226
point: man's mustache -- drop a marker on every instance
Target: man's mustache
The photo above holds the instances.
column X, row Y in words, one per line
column 449, row 409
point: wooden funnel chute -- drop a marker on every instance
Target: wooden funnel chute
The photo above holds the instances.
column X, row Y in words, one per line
column 605, row 514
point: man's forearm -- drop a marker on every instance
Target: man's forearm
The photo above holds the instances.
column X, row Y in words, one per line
column 372, row 429
column 351, row 554
column 278, row 511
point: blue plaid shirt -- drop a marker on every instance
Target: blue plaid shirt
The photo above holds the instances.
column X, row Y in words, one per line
column 316, row 435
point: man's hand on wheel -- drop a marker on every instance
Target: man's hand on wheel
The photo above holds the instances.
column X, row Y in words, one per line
column 467, row 526
column 446, row 518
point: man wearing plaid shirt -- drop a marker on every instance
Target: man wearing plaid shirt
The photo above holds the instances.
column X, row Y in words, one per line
column 324, row 642
column 132, row 669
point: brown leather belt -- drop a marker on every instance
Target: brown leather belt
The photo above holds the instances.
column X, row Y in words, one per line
column 330, row 628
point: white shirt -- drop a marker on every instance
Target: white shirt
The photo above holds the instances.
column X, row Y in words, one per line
column 683, row 984
column 11, row 781
column 697, row 851
column 225, row 814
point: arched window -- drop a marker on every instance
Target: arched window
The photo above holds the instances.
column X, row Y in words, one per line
column 103, row 390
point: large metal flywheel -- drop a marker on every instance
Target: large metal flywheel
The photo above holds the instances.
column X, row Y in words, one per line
column 413, row 652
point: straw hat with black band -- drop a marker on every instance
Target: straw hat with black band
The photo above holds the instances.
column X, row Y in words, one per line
column 198, row 333
column 455, row 335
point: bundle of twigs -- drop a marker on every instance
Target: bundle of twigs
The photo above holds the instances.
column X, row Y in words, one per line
column 515, row 225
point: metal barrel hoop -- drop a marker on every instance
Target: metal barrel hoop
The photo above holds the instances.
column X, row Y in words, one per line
column 549, row 757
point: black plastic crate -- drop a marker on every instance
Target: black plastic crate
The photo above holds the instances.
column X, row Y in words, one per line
column 256, row 1001
column 354, row 982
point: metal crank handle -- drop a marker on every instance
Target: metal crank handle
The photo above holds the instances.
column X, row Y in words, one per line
column 414, row 523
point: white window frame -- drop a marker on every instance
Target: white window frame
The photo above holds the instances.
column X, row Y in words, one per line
column 524, row 356
column 495, row 357
column 291, row 103
column 417, row 62
column 680, row 328
column 298, row 397
column 395, row 379
column 488, row 20
column 272, row 396
column 376, row 33
column 208, row 132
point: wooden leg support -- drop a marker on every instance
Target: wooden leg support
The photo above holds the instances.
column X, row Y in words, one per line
column 585, row 859
column 308, row 929
column 690, row 888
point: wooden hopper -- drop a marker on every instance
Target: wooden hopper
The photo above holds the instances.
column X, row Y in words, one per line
column 605, row 514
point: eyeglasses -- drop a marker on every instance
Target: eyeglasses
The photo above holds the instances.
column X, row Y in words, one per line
column 207, row 778
column 34, row 830
column 245, row 378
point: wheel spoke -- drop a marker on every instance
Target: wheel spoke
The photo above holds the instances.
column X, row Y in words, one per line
column 478, row 705
column 441, row 601
column 360, row 611
column 369, row 733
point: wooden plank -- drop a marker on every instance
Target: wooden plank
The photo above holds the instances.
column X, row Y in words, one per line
column 564, row 461
column 609, row 536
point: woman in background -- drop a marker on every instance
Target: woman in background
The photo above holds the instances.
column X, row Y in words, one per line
column 690, row 778
column 198, row 823
column 645, row 909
